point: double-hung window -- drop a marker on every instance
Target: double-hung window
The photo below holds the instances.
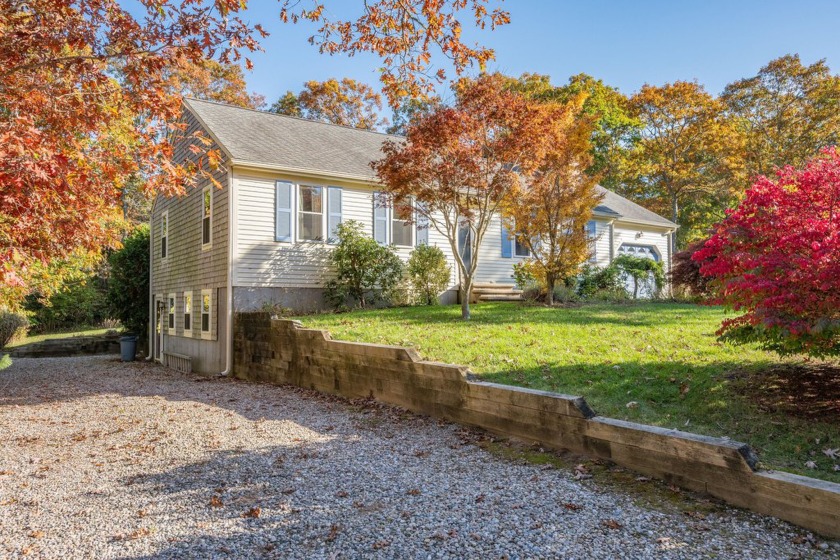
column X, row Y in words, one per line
column 206, row 217
column 512, row 246
column 311, row 213
column 164, row 234
column 520, row 249
column 206, row 312
column 188, row 308
column 306, row 212
column 392, row 222
column 401, row 225
column 170, row 324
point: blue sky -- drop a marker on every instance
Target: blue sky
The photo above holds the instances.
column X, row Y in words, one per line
column 625, row 43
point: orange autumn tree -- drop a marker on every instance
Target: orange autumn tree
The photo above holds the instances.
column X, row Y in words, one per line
column 687, row 153
column 548, row 210
column 211, row 80
column 88, row 92
column 459, row 163
column 346, row 102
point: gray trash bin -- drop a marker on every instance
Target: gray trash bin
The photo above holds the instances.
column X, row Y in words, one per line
column 128, row 348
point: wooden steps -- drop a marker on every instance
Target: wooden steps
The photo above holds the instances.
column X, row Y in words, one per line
column 495, row 292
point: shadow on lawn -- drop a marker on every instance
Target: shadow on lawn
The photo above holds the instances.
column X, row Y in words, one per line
column 631, row 314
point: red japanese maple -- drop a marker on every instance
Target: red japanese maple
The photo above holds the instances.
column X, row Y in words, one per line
column 777, row 258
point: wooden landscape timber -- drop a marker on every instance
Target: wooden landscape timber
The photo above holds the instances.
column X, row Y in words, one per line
column 283, row 352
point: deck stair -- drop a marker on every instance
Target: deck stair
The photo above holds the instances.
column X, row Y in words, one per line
column 495, row 292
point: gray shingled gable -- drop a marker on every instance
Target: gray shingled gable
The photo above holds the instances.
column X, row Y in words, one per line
column 616, row 204
column 290, row 143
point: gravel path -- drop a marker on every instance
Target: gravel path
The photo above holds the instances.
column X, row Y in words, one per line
column 108, row 460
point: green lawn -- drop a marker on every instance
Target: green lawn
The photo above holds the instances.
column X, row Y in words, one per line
column 40, row 337
column 662, row 356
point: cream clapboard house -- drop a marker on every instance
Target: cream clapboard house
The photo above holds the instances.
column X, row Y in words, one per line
column 264, row 236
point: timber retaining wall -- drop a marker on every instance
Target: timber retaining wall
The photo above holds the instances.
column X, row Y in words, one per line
column 283, row 352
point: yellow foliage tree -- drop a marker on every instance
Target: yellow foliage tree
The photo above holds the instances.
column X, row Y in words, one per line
column 688, row 150
column 549, row 210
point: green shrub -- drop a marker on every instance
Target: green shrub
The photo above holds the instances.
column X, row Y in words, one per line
column 428, row 273
column 641, row 271
column 365, row 271
column 594, row 280
column 611, row 295
column 81, row 302
column 128, row 290
column 12, row 325
column 523, row 275
column 565, row 294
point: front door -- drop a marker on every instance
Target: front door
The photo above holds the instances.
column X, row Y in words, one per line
column 158, row 341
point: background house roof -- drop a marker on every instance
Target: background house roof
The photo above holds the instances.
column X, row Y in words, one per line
column 282, row 142
column 623, row 208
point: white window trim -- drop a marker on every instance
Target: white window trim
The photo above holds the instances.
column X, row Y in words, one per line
column 513, row 252
column 209, row 244
column 164, row 219
column 412, row 226
column 188, row 332
column 171, row 309
column 512, row 241
column 297, row 212
column 208, row 334
column 390, row 216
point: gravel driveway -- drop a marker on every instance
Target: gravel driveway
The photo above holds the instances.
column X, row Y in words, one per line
column 108, row 460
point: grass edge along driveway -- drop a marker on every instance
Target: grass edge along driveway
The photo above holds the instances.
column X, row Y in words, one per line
column 654, row 363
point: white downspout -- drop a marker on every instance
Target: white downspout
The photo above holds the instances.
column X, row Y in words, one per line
column 231, row 238
column 151, row 287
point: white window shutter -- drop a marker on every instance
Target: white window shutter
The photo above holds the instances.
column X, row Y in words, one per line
column 380, row 219
column 422, row 237
column 334, row 195
column 283, row 211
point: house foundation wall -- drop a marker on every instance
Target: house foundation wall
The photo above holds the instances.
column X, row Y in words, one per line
column 298, row 300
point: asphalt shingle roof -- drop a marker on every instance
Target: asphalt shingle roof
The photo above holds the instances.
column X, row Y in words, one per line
column 613, row 203
column 289, row 142
column 272, row 140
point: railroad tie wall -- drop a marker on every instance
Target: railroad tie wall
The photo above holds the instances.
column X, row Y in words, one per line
column 283, row 352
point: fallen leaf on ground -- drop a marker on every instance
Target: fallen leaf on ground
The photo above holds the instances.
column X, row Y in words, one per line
column 253, row 513
column 611, row 524
column 216, row 502
column 333, row 534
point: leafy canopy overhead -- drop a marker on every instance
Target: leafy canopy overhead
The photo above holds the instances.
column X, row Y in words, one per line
column 90, row 92
column 687, row 150
column 549, row 209
column 787, row 113
column 459, row 163
column 346, row 102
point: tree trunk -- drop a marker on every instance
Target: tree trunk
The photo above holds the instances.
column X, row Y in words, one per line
column 675, row 214
column 466, row 292
column 549, row 284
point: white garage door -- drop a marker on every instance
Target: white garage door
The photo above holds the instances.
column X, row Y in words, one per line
column 646, row 289
column 646, row 251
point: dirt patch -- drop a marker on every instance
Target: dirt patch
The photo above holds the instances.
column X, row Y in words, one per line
column 810, row 391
